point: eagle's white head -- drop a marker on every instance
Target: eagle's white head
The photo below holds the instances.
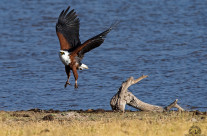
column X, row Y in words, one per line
column 64, row 57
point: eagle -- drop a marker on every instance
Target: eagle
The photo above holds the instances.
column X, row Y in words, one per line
column 71, row 49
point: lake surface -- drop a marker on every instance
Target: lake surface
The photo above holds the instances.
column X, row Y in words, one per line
column 166, row 40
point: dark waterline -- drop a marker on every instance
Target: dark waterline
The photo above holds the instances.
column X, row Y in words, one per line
column 166, row 40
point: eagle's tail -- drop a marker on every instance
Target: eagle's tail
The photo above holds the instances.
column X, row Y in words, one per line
column 82, row 66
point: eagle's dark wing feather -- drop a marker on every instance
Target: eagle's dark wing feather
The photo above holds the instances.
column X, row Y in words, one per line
column 67, row 29
column 91, row 43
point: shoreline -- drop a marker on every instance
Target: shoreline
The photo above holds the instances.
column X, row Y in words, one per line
column 97, row 111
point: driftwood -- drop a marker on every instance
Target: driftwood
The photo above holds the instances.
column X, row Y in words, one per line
column 123, row 97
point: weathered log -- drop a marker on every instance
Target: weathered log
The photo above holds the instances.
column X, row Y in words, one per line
column 174, row 105
column 123, row 97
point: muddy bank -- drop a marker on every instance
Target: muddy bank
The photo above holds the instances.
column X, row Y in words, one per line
column 196, row 112
column 86, row 115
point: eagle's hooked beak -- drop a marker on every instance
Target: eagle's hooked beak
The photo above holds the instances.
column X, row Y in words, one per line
column 62, row 53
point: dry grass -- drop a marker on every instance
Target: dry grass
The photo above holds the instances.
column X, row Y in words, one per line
column 100, row 124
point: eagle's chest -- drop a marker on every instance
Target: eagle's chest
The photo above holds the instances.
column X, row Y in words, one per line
column 65, row 59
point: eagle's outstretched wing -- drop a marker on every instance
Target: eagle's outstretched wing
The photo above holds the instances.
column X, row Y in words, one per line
column 67, row 29
column 91, row 43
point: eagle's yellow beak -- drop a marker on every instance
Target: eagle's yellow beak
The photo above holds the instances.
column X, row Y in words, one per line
column 62, row 53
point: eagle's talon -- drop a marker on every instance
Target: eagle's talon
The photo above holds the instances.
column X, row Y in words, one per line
column 76, row 86
column 67, row 83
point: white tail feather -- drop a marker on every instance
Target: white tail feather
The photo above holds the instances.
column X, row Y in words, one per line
column 83, row 66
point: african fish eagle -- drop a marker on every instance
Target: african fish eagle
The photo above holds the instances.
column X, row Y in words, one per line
column 71, row 50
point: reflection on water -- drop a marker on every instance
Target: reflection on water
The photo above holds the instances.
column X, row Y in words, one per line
column 163, row 39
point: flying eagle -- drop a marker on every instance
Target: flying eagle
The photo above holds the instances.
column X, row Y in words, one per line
column 71, row 49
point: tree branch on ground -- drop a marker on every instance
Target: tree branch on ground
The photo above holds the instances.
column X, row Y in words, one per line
column 123, row 97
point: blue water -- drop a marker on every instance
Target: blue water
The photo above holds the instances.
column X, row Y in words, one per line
column 166, row 40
